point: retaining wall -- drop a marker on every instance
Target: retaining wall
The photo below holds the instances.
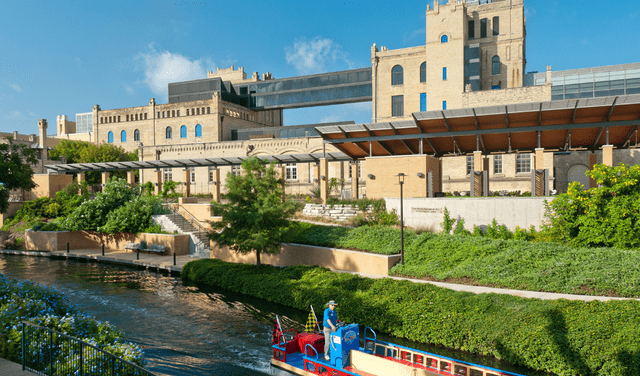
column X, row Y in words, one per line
column 57, row 241
column 299, row 254
column 335, row 212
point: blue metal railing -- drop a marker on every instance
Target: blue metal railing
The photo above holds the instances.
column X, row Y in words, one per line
column 51, row 353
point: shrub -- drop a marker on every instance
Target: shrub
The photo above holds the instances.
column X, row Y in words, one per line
column 447, row 223
column 563, row 337
column 134, row 216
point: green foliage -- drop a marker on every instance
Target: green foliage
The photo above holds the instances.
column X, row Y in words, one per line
column 15, row 170
column 94, row 214
column 134, row 216
column 605, row 216
column 447, row 223
column 335, row 184
column 255, row 219
column 44, row 306
column 460, row 230
column 86, row 152
column 375, row 212
column 376, row 239
column 169, row 189
column 562, row 337
column 148, row 188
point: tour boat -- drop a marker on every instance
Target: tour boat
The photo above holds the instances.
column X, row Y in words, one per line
column 303, row 354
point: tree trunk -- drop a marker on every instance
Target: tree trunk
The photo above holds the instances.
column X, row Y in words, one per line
column 257, row 257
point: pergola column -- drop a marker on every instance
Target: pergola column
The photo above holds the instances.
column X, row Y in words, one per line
column 593, row 160
column 216, row 185
column 607, row 155
column 131, row 178
column 105, row 178
column 81, row 179
column 186, row 177
column 539, row 163
column 476, row 175
column 354, row 180
column 323, row 178
column 158, row 184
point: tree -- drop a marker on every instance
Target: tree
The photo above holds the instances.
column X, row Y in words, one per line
column 255, row 219
column 15, row 170
column 86, row 152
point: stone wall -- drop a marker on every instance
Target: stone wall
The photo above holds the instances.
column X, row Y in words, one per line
column 541, row 93
column 335, row 212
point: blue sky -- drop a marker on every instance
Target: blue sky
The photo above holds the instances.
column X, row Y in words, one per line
column 62, row 57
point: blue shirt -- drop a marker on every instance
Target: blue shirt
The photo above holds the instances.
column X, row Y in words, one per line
column 330, row 316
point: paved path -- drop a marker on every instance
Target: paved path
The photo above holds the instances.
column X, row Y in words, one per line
column 165, row 263
column 8, row 368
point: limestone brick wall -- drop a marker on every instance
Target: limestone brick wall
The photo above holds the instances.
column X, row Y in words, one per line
column 385, row 183
column 335, row 212
column 541, row 93
column 48, row 185
column 383, row 61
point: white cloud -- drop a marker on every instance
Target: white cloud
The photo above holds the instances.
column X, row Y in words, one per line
column 129, row 89
column 316, row 55
column 529, row 12
column 13, row 115
column 162, row 67
column 16, row 87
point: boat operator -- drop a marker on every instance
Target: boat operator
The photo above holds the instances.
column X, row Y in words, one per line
column 329, row 324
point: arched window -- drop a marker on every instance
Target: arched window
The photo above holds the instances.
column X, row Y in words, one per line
column 396, row 75
column 183, row 131
column 444, row 38
column 198, row 130
column 495, row 65
column 423, row 72
column 168, row 133
column 110, row 137
column 136, row 135
column 123, row 136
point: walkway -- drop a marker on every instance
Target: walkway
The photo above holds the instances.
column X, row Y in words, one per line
column 8, row 368
column 165, row 263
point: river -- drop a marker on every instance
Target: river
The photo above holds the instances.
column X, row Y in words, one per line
column 183, row 330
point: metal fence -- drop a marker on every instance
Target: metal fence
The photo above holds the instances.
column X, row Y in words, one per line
column 48, row 352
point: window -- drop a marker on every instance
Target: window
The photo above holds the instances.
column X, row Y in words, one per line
column 483, row 28
column 183, row 131
column 198, row 130
column 496, row 25
column 211, row 172
column 123, row 136
column 136, row 135
column 523, row 163
column 396, row 75
column 291, row 171
column 472, row 29
column 192, row 173
column 168, row 133
column 444, row 73
column 208, row 110
column 173, row 113
column 495, row 65
column 444, row 105
column 444, row 39
column 110, row 137
column 177, row 113
column 470, row 163
column 497, row 164
column 236, row 170
column 397, row 105
column 168, row 174
column 423, row 72
column 423, row 102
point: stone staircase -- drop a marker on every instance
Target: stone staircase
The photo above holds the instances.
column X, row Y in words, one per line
column 185, row 224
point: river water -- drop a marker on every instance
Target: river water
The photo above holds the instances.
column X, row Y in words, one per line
column 183, row 330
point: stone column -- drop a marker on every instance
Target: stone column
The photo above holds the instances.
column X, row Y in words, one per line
column 158, row 181
column 476, row 179
column 81, row 179
column 593, row 160
column 354, row 180
column 186, row 177
column 105, row 178
column 539, row 163
column 607, row 155
column 323, row 178
column 131, row 178
column 216, row 185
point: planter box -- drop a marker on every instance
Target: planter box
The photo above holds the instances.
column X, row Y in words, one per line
column 300, row 254
column 57, row 241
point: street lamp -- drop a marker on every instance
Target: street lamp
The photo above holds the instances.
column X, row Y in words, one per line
column 401, row 180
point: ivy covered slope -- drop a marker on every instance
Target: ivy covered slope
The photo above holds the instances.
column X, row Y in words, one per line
column 44, row 306
column 560, row 336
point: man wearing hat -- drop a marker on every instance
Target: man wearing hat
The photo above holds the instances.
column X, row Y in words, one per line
column 329, row 324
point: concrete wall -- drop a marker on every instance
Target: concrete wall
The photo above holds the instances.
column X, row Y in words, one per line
column 57, row 241
column 298, row 254
column 511, row 211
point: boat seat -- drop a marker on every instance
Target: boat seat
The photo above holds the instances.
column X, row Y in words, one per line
column 315, row 340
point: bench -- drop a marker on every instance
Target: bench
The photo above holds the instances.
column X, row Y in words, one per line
column 155, row 248
column 132, row 246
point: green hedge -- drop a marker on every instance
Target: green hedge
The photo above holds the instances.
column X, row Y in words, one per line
column 523, row 265
column 376, row 239
column 560, row 336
